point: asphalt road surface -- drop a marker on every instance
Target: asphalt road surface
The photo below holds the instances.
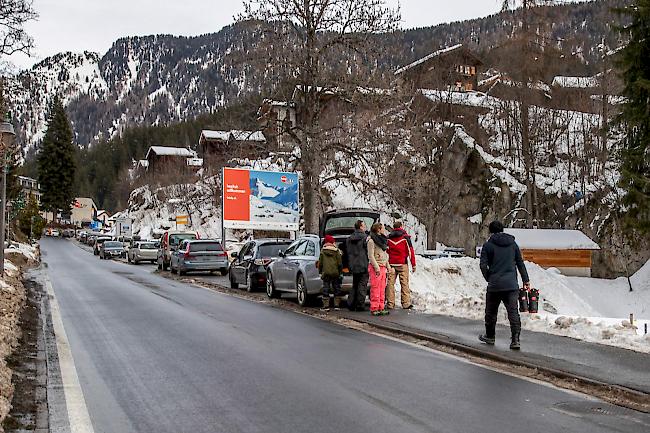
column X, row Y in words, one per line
column 156, row 355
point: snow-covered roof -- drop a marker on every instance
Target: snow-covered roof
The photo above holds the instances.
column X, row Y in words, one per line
column 576, row 82
column 427, row 58
column 247, row 135
column 171, row 151
column 215, row 135
column 143, row 163
column 234, row 134
column 552, row 239
column 471, row 98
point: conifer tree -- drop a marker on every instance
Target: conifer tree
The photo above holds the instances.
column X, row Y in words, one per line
column 635, row 117
column 56, row 162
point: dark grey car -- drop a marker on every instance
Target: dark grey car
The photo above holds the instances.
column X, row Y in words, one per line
column 204, row 255
column 110, row 249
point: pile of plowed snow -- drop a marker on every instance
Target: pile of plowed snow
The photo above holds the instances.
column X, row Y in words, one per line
column 12, row 300
column 588, row 309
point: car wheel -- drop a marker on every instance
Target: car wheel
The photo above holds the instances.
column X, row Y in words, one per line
column 224, row 272
column 249, row 283
column 180, row 272
column 270, row 286
column 301, row 292
column 171, row 268
column 233, row 284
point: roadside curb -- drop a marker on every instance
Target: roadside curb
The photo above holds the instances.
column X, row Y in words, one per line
column 640, row 399
column 615, row 394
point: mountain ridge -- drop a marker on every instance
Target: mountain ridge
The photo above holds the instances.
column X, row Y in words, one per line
column 162, row 79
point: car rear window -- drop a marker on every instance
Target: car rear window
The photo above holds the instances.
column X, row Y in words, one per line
column 205, row 246
column 148, row 246
column 347, row 222
column 176, row 239
column 271, row 250
column 112, row 244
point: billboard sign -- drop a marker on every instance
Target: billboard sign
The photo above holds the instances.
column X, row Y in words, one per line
column 124, row 227
column 261, row 200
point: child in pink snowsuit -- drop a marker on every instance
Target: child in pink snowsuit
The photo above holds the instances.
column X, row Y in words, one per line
column 377, row 268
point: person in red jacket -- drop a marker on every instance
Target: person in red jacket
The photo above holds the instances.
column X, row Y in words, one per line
column 400, row 252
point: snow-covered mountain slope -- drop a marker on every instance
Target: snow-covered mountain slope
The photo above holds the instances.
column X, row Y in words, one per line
column 153, row 80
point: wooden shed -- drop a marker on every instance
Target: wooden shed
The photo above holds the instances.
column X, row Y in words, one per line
column 569, row 251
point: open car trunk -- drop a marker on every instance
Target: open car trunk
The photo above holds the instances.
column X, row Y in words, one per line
column 340, row 224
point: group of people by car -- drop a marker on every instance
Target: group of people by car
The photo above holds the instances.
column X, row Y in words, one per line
column 374, row 257
column 381, row 258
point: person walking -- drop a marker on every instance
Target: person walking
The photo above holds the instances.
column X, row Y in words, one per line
column 377, row 269
column 356, row 247
column 400, row 252
column 500, row 260
column 330, row 268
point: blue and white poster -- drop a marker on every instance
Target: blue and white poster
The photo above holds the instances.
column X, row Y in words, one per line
column 274, row 200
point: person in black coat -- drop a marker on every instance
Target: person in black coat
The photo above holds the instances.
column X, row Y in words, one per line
column 356, row 247
column 500, row 260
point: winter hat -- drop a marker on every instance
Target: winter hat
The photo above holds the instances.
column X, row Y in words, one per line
column 329, row 239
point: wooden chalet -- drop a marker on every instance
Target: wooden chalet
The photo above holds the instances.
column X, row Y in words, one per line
column 569, row 251
column 454, row 67
column 218, row 146
column 161, row 159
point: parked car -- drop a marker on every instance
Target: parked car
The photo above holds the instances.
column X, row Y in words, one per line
column 249, row 264
column 82, row 236
column 295, row 271
column 143, row 251
column 109, row 249
column 55, row 233
column 169, row 242
column 97, row 243
column 205, row 255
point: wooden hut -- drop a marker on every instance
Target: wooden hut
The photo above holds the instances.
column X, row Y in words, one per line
column 570, row 251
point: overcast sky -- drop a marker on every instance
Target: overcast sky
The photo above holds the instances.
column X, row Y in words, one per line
column 93, row 25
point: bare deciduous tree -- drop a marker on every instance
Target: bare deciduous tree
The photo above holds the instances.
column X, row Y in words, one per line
column 318, row 47
column 13, row 16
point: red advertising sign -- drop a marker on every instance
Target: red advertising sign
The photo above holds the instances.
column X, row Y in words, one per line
column 236, row 194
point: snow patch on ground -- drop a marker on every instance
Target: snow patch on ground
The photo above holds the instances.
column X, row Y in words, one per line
column 587, row 309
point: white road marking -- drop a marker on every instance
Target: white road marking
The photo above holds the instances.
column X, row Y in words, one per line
column 78, row 415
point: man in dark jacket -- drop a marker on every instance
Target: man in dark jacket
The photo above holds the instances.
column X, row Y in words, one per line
column 356, row 247
column 500, row 260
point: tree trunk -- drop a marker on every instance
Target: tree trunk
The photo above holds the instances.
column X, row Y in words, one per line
column 432, row 231
column 528, row 163
column 311, row 195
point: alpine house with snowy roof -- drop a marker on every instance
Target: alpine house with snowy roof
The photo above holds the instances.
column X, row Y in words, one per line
column 569, row 251
column 164, row 158
column 451, row 68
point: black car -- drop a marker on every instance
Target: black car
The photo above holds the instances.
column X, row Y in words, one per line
column 249, row 265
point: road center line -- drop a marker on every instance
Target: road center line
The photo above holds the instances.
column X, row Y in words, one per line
column 78, row 415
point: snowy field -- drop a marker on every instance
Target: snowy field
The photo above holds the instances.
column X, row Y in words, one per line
column 587, row 309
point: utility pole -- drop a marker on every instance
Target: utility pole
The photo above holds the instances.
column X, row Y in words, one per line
column 6, row 133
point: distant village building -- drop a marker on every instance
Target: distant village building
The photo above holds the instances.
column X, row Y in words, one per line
column 569, row 251
column 218, row 146
column 452, row 68
column 84, row 212
column 29, row 188
column 103, row 216
column 278, row 121
column 160, row 158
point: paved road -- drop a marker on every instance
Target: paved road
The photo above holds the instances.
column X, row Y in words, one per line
column 155, row 355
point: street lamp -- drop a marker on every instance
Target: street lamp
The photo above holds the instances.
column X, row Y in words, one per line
column 7, row 136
